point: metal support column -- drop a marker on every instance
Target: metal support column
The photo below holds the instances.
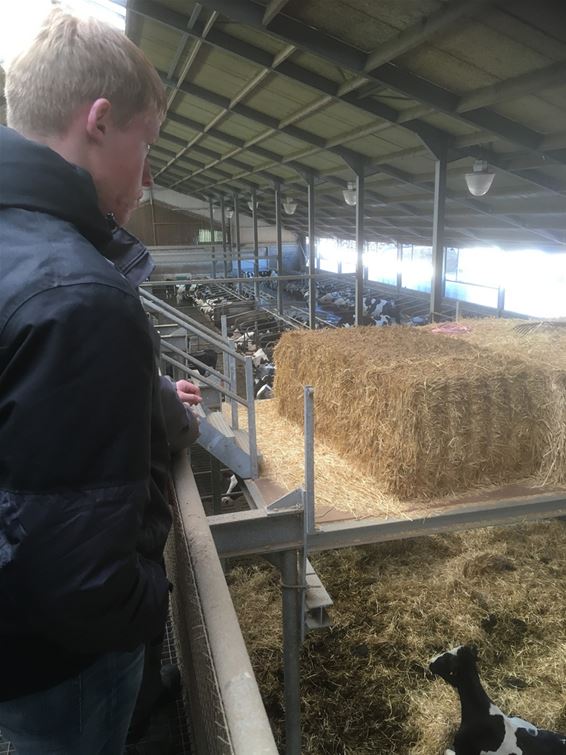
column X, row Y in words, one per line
column 249, row 376
column 230, row 244
column 308, row 502
column 500, row 301
column 438, row 252
column 256, row 246
column 238, row 241
column 399, row 266
column 224, row 246
column 291, row 647
column 360, row 207
column 308, row 403
column 212, row 247
column 312, row 246
column 216, row 485
column 279, row 247
column 229, row 368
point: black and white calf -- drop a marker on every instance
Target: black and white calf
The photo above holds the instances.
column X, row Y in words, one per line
column 484, row 729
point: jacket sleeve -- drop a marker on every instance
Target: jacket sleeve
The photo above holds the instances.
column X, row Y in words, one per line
column 77, row 405
column 180, row 423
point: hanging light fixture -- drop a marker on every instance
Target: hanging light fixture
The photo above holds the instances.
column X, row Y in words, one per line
column 289, row 205
column 350, row 194
column 251, row 205
column 229, row 212
column 480, row 180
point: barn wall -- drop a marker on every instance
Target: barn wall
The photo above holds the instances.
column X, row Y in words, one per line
column 266, row 233
column 198, row 208
column 166, row 227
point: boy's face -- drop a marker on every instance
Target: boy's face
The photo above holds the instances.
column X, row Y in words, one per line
column 122, row 165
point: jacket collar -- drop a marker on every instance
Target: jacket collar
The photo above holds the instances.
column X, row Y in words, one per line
column 129, row 255
column 34, row 177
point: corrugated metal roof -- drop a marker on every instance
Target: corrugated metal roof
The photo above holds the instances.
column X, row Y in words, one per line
column 276, row 90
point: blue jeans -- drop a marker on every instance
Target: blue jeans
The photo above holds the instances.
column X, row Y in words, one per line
column 88, row 714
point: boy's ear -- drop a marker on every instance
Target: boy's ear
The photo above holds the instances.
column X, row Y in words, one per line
column 98, row 119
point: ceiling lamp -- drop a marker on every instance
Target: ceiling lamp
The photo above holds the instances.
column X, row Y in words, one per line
column 251, row 205
column 479, row 182
column 289, row 205
column 229, row 213
column 350, row 194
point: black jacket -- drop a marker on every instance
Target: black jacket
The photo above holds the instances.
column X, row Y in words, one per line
column 174, row 427
column 77, row 386
column 136, row 264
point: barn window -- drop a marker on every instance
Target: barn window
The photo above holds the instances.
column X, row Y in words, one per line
column 204, row 236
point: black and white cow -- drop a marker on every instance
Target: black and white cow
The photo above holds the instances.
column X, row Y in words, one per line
column 265, row 392
column 393, row 310
column 259, row 357
column 484, row 729
column 208, row 357
column 180, row 293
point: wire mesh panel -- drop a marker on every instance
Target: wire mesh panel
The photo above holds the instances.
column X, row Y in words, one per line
column 209, row 726
column 226, row 708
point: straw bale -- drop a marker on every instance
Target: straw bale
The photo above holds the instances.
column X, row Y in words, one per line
column 281, row 444
column 423, row 415
column 339, row 494
column 543, row 348
column 364, row 685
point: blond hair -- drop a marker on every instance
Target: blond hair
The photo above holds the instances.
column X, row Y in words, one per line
column 73, row 62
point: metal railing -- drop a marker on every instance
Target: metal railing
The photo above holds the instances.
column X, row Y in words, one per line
column 226, row 709
column 225, row 382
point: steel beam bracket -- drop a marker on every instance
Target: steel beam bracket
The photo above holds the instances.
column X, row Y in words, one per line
column 292, row 501
column 309, row 175
column 306, row 174
column 354, row 162
column 480, row 153
column 436, row 145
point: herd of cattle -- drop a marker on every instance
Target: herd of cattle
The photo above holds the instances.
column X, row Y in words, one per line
column 253, row 333
column 376, row 310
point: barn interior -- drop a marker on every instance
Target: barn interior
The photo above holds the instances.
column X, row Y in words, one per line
column 325, row 174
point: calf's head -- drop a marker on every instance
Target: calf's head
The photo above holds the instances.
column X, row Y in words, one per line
column 453, row 664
